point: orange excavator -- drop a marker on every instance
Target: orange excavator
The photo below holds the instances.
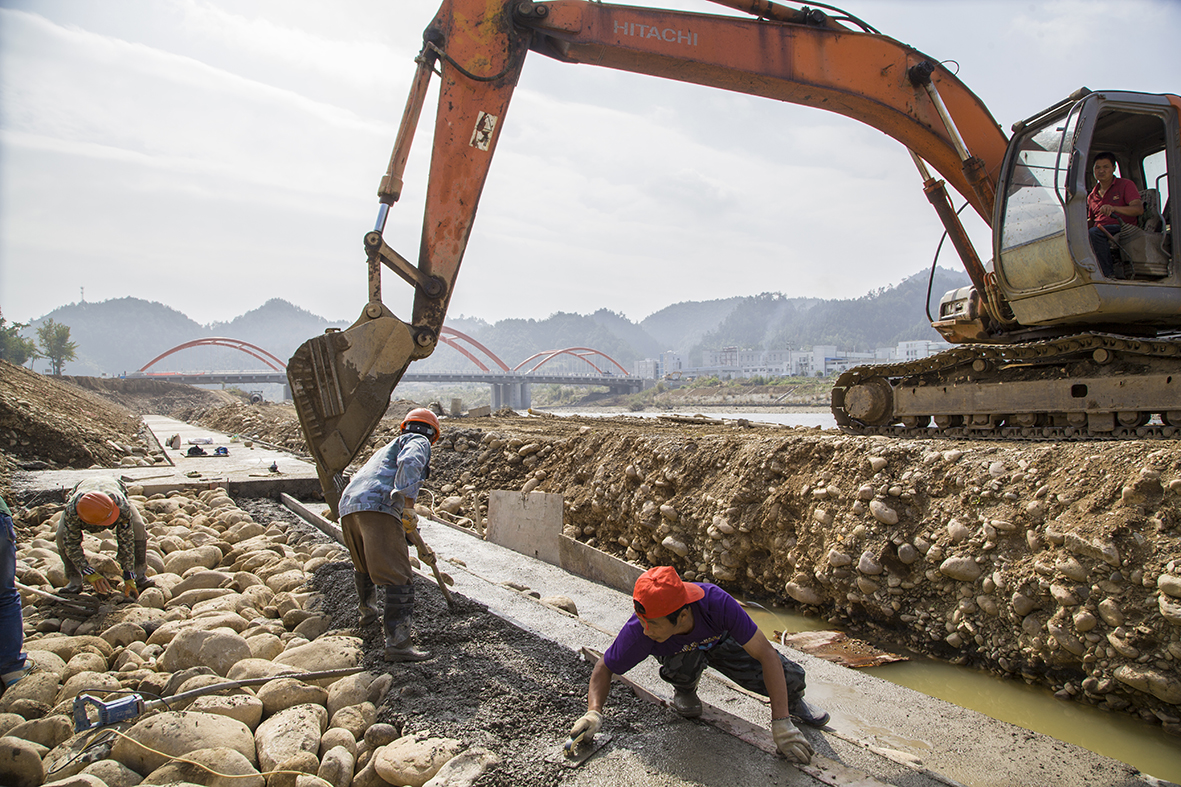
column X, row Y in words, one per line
column 1048, row 345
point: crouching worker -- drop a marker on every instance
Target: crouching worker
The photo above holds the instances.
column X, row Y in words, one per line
column 687, row 627
column 376, row 514
column 96, row 504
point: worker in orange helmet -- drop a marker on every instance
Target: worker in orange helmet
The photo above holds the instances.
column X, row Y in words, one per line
column 97, row 504
column 376, row 515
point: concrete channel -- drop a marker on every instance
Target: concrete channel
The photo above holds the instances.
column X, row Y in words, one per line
column 880, row 733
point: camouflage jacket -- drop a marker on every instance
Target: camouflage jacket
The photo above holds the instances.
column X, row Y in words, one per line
column 124, row 535
column 396, row 470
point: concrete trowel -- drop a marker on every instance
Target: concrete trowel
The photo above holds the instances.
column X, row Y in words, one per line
column 574, row 754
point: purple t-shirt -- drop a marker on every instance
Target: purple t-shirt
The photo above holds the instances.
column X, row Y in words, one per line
column 714, row 616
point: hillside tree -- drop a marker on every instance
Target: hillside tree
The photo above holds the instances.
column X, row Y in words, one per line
column 56, row 345
column 14, row 348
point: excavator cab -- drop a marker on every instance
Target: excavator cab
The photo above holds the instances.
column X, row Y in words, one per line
column 1045, row 265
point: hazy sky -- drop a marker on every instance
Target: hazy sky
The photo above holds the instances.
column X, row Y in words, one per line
column 214, row 154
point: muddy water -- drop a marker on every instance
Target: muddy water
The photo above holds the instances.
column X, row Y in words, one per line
column 1119, row 736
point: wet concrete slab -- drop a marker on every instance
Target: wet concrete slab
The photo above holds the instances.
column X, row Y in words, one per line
column 248, row 468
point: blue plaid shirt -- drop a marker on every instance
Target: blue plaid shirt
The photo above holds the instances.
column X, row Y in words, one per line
column 395, row 470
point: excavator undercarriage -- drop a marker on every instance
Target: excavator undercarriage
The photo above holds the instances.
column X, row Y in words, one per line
column 1089, row 386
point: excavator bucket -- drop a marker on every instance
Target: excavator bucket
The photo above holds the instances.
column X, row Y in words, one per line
column 341, row 384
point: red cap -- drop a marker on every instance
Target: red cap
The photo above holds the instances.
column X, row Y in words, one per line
column 660, row 591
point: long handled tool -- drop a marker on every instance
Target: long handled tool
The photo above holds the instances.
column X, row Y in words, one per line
column 427, row 555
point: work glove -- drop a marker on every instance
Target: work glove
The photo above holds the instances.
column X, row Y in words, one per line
column 585, row 728
column 791, row 742
column 409, row 519
column 101, row 584
column 130, row 588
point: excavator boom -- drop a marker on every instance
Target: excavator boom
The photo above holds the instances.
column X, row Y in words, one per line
column 341, row 382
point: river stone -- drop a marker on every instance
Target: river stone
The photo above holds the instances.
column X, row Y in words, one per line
column 210, row 578
column 803, row 594
column 1067, row 640
column 207, row 556
column 355, row 718
column 299, row 765
column 336, row 766
column 675, row 546
column 220, row 759
column 84, row 662
column 877, row 463
column 883, row 513
column 333, row 652
column 49, row 731
column 349, row 690
column 1109, row 610
column 907, row 554
column 45, row 660
column 1165, row 686
column 286, row 693
column 412, row 760
column 958, row 531
column 561, row 602
column 1169, row 584
column 264, row 646
column 123, row 634
column 68, row 647
column 289, row 732
column 20, row 761
column 868, row 564
column 77, row 780
column 838, row 559
column 313, row 627
column 8, row 721
column 963, row 569
column 243, row 707
column 1169, row 610
column 84, row 681
column 175, row 733
column 112, row 773
column 287, row 580
column 335, row 736
column 380, row 734
column 191, row 598
column 988, row 605
column 1033, row 624
column 1063, row 595
column 166, row 632
column 219, row 650
column 464, row 769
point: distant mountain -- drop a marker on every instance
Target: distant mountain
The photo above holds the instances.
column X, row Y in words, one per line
column 878, row 319
column 124, row 334
column 681, row 326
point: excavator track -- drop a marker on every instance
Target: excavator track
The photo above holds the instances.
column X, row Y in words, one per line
column 1084, row 387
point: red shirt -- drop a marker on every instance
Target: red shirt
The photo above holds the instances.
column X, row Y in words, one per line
column 1121, row 193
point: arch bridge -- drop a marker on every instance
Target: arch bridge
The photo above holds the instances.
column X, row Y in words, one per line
column 511, row 387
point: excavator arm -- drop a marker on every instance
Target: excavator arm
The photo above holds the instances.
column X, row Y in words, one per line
column 341, row 382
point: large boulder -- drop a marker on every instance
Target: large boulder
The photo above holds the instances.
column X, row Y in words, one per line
column 157, row 739
column 219, row 650
column 20, row 762
column 412, row 760
column 239, row 772
column 288, row 733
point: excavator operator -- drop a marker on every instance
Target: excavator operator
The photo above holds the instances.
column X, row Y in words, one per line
column 1113, row 203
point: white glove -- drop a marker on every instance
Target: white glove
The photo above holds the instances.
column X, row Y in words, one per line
column 791, row 742
column 585, row 728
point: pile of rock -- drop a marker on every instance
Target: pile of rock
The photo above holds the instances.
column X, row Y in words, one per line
column 229, row 604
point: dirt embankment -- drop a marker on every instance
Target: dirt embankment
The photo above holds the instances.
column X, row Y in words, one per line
column 1056, row 563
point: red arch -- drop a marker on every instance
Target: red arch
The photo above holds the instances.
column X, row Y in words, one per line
column 219, row 341
column 452, row 338
column 577, row 352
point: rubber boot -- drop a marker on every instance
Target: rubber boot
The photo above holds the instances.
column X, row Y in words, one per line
column 399, row 606
column 685, row 701
column 366, row 598
column 141, row 566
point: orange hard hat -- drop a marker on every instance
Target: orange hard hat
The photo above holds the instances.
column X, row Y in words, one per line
column 96, row 508
column 423, row 416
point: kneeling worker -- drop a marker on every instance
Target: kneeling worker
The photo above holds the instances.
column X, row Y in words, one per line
column 688, row 626
column 96, row 504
